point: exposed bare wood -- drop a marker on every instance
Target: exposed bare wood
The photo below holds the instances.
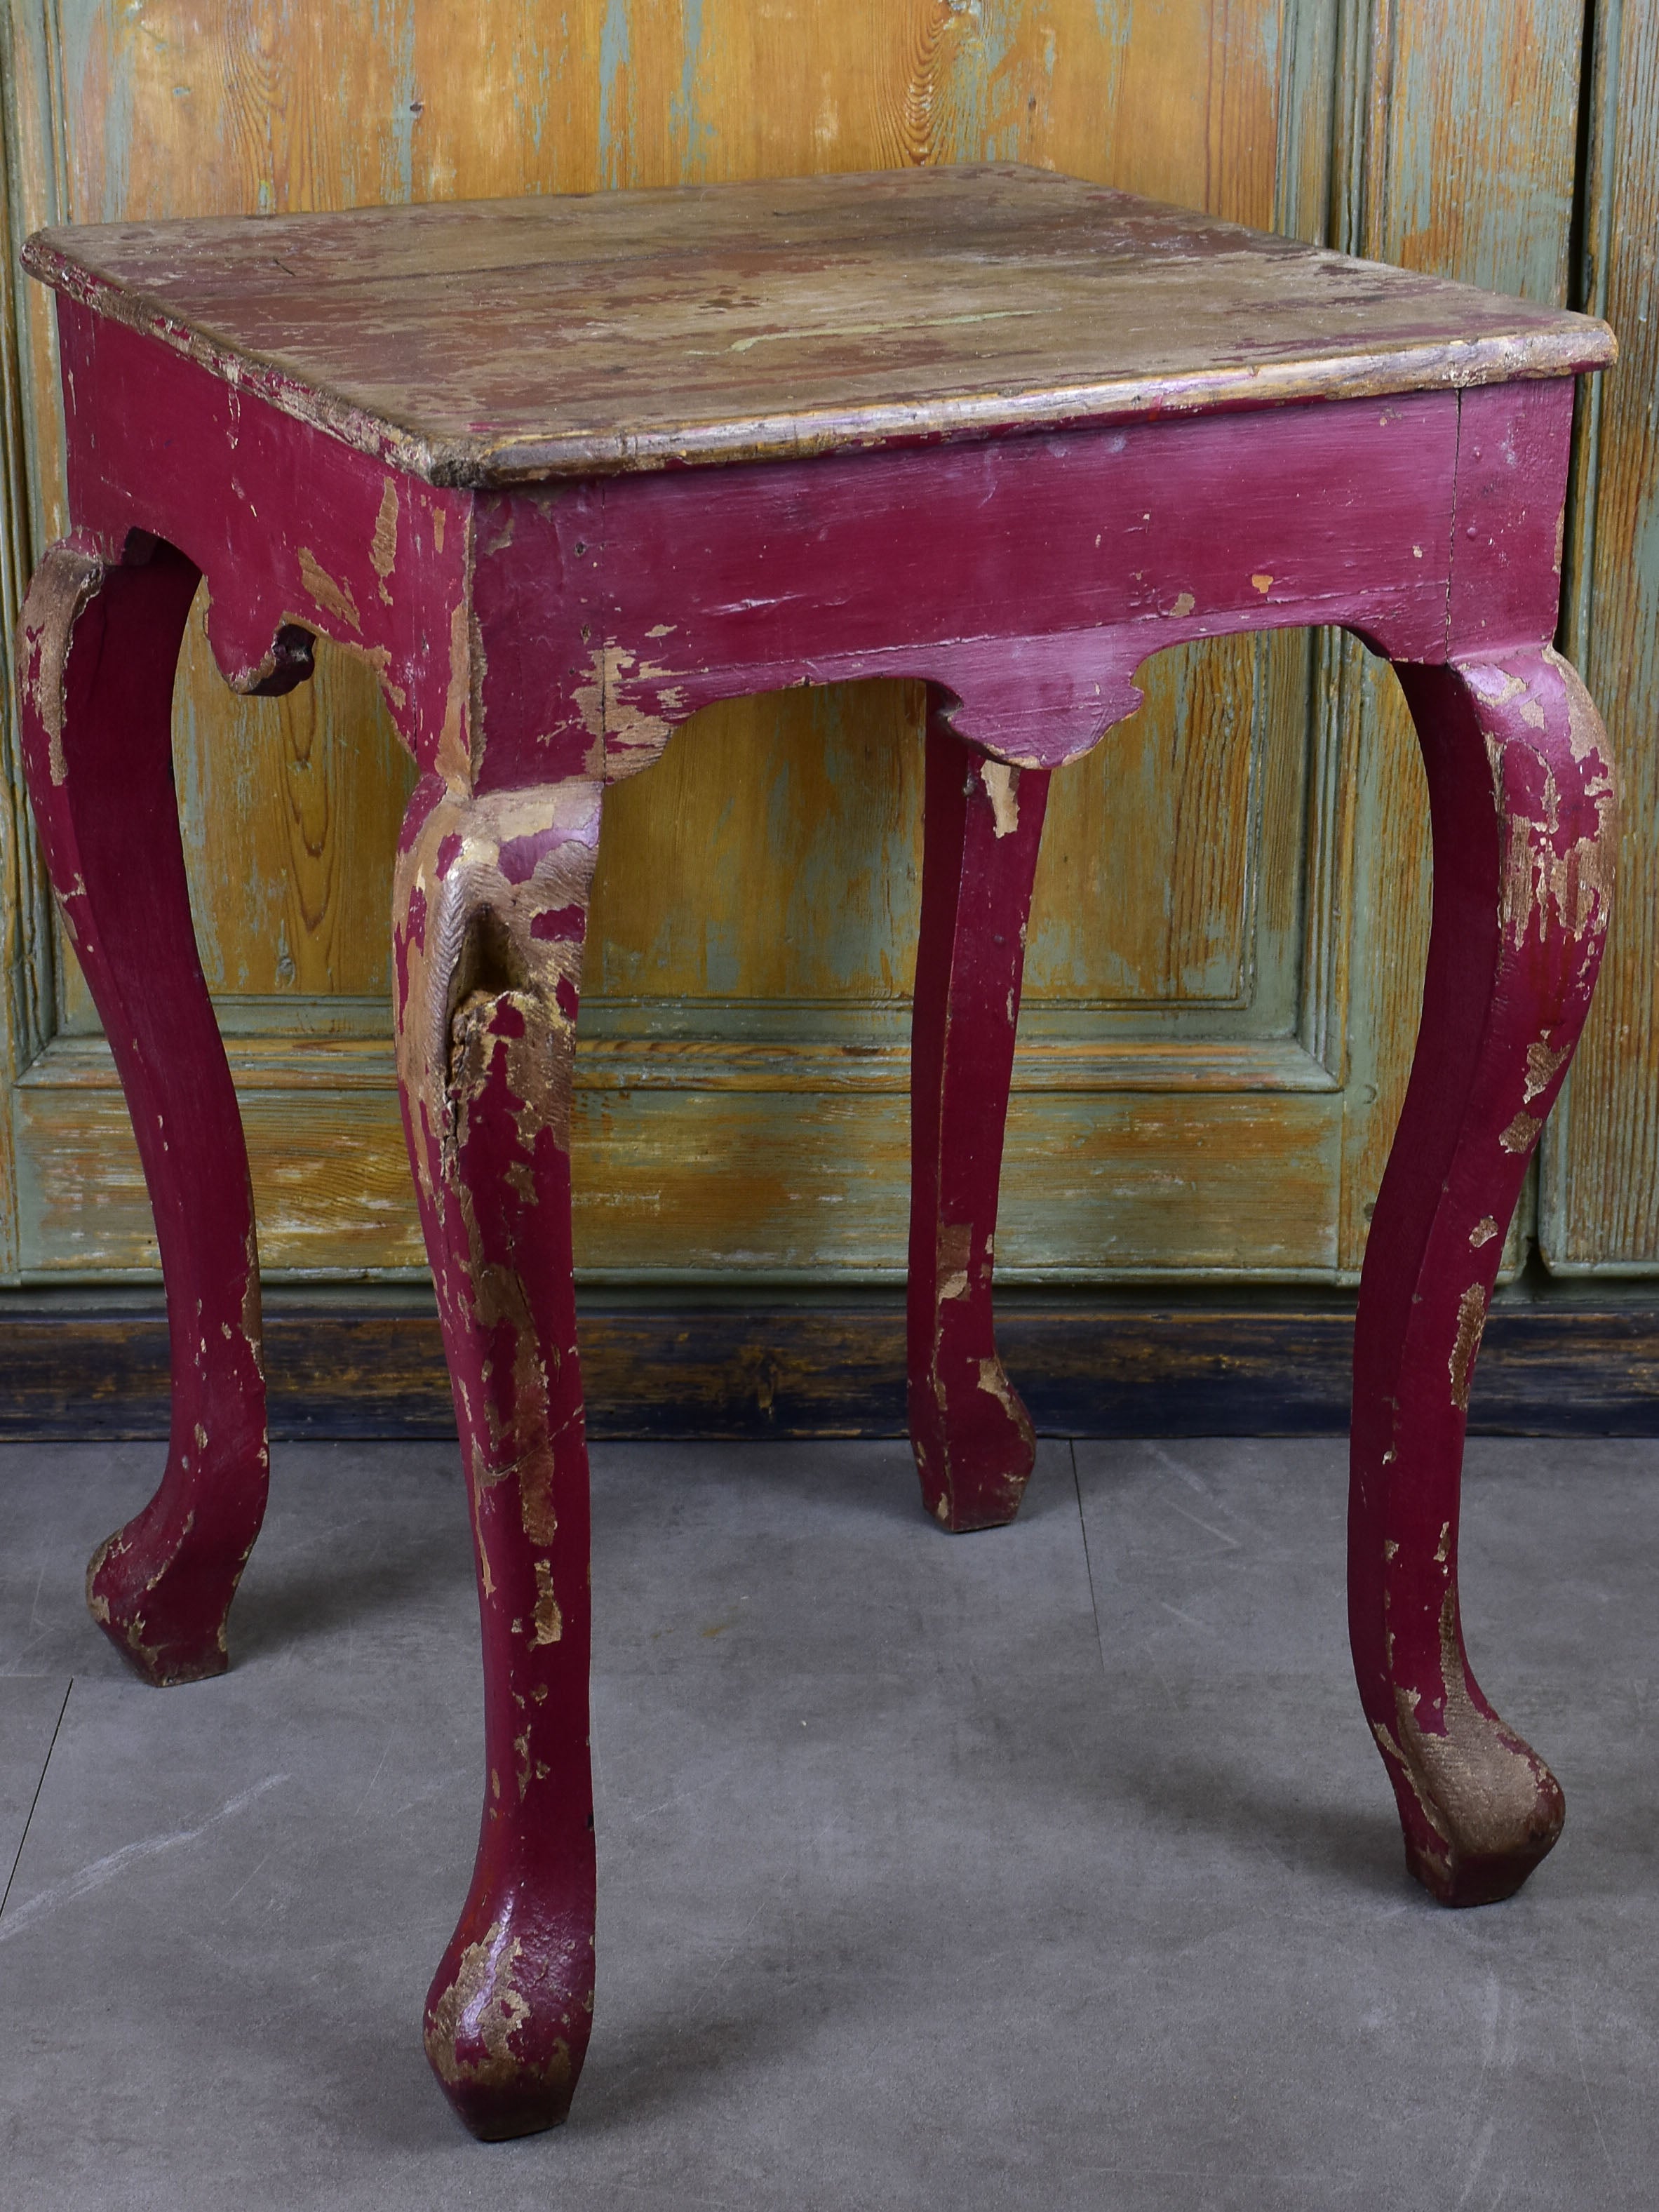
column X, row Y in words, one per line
column 776, row 319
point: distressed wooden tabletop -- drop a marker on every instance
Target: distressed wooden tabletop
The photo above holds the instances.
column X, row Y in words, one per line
column 495, row 342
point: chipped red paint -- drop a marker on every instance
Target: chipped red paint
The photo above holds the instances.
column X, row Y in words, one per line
column 1072, row 557
column 1523, row 811
column 97, row 644
column 288, row 526
column 537, row 643
column 488, row 919
column 973, row 1439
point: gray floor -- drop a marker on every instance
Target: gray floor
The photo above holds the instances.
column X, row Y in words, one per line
column 1051, row 1868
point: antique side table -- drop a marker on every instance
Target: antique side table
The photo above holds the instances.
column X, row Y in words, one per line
column 565, row 470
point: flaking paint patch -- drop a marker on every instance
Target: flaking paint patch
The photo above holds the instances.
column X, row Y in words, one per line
column 1544, row 1063
column 1543, row 883
column 1586, row 734
column 1496, row 686
column 633, row 734
column 383, row 546
column 1521, row 1134
column 253, row 1316
column 64, row 585
column 334, row 597
column 1001, row 784
column 1471, row 1322
column 1480, row 1787
column 480, row 2007
column 955, row 1252
column 550, row 1621
column 1569, row 890
column 1426, row 1805
column 992, row 1381
column 486, row 1022
column 454, row 755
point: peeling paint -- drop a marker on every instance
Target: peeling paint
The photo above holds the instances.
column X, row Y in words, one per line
column 454, row 755
column 334, row 598
column 486, row 1027
column 1522, row 1134
column 633, row 734
column 550, row 1621
column 1544, row 1064
column 1587, row 739
column 61, row 590
column 954, row 1259
column 383, row 546
column 1482, row 1791
column 1002, row 788
column 994, row 1381
column 1546, row 884
column 480, row 2007
column 1471, row 1323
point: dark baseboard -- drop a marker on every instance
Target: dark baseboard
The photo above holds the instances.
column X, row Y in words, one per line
column 1265, row 1364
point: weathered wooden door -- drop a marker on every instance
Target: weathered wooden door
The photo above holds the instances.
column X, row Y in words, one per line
column 1226, row 956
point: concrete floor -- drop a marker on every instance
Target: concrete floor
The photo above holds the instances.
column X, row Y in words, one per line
column 1046, row 1868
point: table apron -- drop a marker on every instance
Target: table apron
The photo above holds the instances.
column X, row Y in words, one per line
column 566, row 629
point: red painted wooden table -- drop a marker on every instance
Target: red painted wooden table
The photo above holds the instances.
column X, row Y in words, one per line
column 565, row 470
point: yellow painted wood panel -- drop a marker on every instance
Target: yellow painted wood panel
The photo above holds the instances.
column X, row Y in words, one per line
column 1472, row 106
column 1157, row 848
column 725, row 1182
column 773, row 853
column 290, row 809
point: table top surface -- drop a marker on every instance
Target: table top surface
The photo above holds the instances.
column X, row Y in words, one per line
column 496, row 342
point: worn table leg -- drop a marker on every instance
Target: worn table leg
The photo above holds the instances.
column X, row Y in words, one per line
column 98, row 646
column 972, row 1438
column 1522, row 805
column 490, row 911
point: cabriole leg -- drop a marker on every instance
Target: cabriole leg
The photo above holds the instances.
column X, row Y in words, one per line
column 1523, row 812
column 98, row 646
column 489, row 914
column 972, row 1438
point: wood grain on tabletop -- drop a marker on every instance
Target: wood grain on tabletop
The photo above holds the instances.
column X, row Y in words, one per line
column 495, row 342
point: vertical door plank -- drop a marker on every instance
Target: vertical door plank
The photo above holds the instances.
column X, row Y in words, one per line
column 1468, row 173
column 1599, row 1209
column 810, row 804
column 1143, row 894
